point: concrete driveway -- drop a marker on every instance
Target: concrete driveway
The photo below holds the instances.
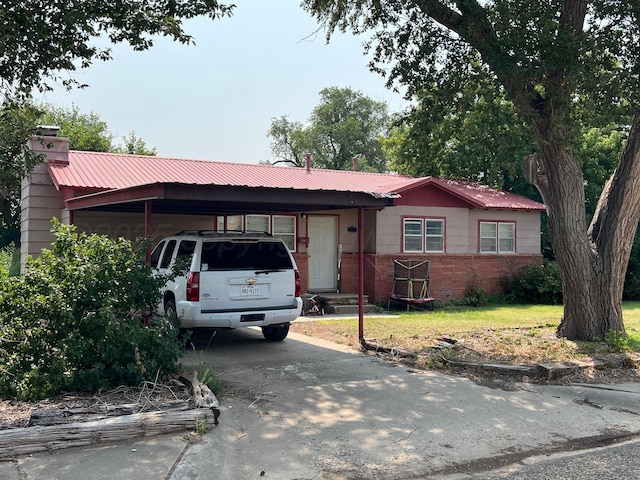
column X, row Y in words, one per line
column 309, row 409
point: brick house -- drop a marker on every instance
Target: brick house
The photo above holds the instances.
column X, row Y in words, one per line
column 337, row 223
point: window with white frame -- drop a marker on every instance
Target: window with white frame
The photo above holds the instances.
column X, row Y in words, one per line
column 230, row 223
column 284, row 227
column 423, row 235
column 258, row 223
column 413, row 234
column 280, row 226
column 497, row 237
column 434, row 235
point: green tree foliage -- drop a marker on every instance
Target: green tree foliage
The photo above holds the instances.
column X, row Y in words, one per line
column 345, row 124
column 134, row 145
column 290, row 141
column 86, row 132
column 478, row 134
column 18, row 122
column 75, row 320
column 600, row 150
column 40, row 40
column 89, row 133
column 475, row 134
column 551, row 59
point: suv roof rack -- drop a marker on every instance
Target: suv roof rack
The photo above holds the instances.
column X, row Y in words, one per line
column 213, row 233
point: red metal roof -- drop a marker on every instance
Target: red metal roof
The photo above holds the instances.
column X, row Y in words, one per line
column 109, row 171
column 479, row 195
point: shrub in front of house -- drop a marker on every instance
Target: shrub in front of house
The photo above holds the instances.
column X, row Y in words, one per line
column 534, row 284
column 9, row 262
column 76, row 319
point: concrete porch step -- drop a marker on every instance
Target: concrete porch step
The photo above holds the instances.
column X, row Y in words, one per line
column 348, row 309
column 338, row 303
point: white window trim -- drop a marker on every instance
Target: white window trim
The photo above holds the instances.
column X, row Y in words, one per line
column 405, row 236
column 423, row 234
column 292, row 235
column 442, row 222
column 271, row 218
column 246, row 222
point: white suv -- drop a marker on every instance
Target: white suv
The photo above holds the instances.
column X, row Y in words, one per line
column 233, row 280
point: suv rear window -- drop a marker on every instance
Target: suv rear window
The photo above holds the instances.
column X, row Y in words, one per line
column 228, row 255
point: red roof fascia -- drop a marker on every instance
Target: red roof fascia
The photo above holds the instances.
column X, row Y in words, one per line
column 124, row 195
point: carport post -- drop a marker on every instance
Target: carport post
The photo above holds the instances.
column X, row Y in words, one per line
column 147, row 225
column 360, row 278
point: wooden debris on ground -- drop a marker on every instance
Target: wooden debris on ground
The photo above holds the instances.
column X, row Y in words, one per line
column 156, row 409
column 20, row 441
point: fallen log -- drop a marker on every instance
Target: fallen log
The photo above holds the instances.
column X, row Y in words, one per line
column 395, row 351
column 81, row 414
column 203, row 397
column 20, row 441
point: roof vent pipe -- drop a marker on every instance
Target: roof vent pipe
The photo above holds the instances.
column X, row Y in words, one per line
column 308, row 160
column 355, row 164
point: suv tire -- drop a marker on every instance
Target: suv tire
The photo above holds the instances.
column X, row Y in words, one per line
column 275, row 333
column 170, row 309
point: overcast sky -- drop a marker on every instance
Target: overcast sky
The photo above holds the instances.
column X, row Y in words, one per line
column 215, row 100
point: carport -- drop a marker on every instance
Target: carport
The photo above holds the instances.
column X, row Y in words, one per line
column 216, row 200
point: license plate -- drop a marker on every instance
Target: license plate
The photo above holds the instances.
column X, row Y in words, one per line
column 249, row 290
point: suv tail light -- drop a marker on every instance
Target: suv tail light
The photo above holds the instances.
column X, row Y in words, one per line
column 298, row 283
column 193, row 287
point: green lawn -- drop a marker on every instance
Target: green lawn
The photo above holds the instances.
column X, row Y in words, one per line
column 518, row 333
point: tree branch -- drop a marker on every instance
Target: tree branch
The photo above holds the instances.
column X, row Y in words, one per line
column 619, row 203
column 441, row 14
column 573, row 15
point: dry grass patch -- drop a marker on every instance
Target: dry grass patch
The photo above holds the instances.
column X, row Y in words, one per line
column 495, row 334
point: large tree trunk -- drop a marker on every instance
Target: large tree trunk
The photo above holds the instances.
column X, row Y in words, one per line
column 592, row 261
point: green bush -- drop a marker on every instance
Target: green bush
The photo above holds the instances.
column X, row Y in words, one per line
column 77, row 319
column 535, row 284
column 9, row 259
column 475, row 297
column 5, row 263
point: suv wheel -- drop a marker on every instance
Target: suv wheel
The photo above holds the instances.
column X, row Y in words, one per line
column 275, row 333
column 170, row 309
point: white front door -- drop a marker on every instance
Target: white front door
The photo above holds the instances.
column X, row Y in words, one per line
column 322, row 252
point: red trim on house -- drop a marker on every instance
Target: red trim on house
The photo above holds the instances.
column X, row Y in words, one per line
column 433, row 196
column 147, row 192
